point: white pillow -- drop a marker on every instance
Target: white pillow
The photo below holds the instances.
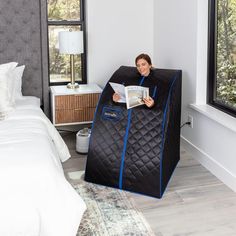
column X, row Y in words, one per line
column 17, row 77
column 5, row 73
column 4, row 68
column 5, row 102
column 14, row 83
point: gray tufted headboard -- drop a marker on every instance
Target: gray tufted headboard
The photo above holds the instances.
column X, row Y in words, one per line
column 23, row 38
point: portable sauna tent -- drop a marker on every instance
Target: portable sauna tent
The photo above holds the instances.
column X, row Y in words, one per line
column 137, row 149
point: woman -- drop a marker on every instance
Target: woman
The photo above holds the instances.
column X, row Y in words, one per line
column 144, row 64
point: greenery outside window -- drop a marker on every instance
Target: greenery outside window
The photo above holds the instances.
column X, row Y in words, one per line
column 222, row 55
column 62, row 16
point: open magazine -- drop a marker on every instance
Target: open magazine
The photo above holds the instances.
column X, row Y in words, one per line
column 132, row 95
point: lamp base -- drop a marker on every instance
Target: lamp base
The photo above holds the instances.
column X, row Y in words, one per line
column 72, row 86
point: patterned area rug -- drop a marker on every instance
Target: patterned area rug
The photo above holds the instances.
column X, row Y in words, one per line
column 109, row 212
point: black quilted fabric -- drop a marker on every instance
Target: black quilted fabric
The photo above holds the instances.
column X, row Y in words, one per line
column 143, row 151
column 144, row 161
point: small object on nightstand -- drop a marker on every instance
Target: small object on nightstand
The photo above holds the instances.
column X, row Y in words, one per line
column 82, row 140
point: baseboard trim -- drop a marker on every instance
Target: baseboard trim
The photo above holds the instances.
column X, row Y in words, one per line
column 209, row 163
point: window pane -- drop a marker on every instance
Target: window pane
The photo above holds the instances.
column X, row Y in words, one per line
column 59, row 64
column 63, row 10
column 226, row 53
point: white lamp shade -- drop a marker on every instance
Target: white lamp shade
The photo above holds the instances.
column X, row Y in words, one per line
column 71, row 42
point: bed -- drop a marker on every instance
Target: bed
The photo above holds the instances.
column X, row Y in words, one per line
column 36, row 199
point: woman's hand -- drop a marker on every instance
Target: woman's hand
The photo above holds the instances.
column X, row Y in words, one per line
column 149, row 102
column 116, row 97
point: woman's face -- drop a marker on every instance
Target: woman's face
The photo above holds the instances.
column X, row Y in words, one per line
column 143, row 67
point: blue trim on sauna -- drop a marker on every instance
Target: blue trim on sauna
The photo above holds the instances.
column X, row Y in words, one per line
column 125, row 142
column 124, row 149
column 95, row 113
column 154, row 92
column 142, row 79
column 163, row 131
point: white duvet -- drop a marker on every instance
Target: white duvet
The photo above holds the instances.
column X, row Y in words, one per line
column 35, row 197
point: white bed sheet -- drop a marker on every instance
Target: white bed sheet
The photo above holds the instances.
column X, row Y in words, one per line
column 35, row 197
column 27, row 102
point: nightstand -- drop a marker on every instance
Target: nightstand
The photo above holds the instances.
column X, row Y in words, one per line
column 74, row 106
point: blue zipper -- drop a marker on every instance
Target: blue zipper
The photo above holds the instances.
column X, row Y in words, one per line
column 125, row 143
column 154, row 92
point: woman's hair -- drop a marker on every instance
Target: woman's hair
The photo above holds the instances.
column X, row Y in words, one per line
column 145, row 57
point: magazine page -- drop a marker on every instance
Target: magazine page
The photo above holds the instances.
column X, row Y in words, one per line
column 120, row 89
column 135, row 95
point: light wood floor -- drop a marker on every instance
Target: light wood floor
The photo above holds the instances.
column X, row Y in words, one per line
column 195, row 202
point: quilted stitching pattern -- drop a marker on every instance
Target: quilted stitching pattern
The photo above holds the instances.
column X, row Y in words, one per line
column 107, row 141
column 142, row 158
column 143, row 153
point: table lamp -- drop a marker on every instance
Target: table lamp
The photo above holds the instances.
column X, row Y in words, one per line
column 71, row 42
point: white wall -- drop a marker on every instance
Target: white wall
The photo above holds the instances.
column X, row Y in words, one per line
column 175, row 41
column 117, row 31
column 181, row 42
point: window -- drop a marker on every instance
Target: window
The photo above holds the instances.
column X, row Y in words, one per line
column 222, row 55
column 64, row 15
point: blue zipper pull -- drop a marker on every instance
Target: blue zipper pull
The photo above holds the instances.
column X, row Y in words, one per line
column 141, row 82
